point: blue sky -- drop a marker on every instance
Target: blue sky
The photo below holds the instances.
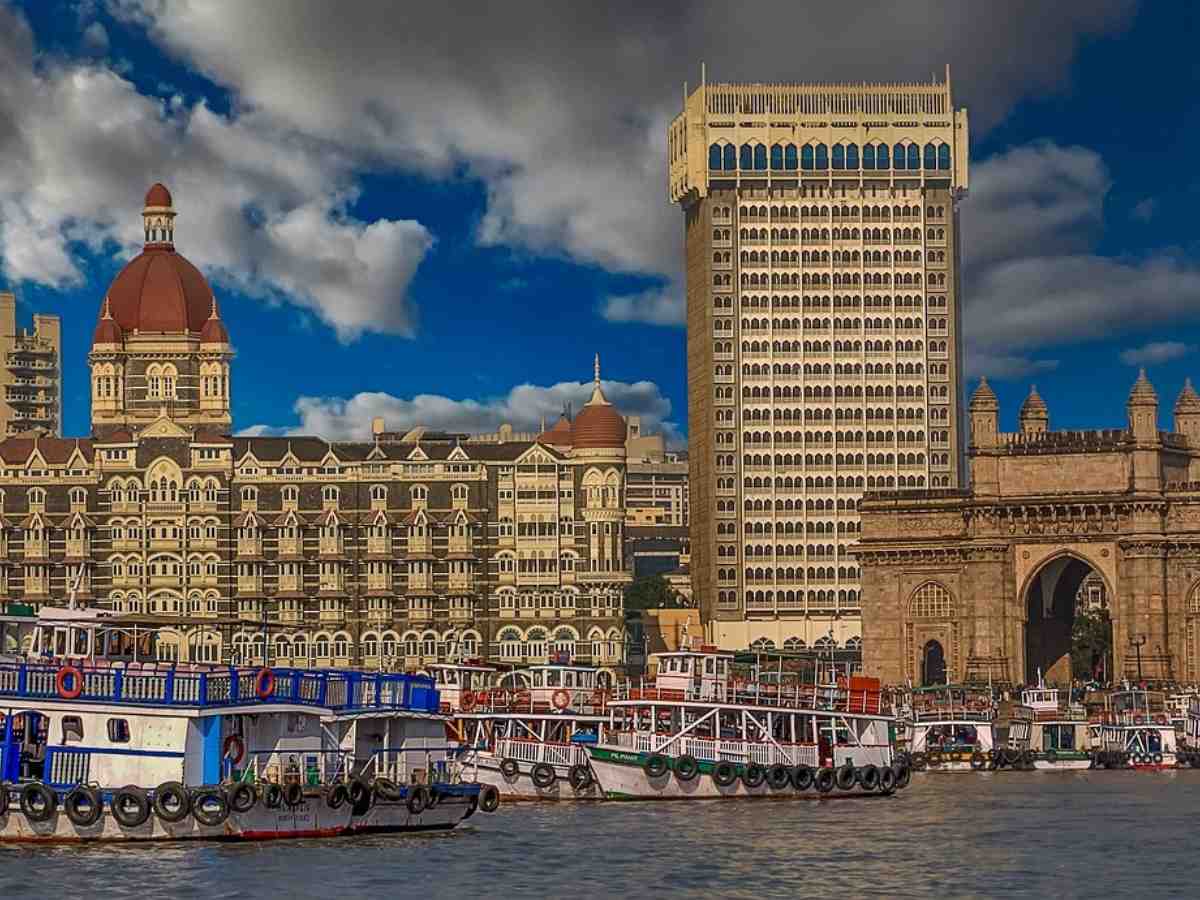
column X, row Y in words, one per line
column 442, row 219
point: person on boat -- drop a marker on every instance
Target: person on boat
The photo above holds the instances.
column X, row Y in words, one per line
column 291, row 773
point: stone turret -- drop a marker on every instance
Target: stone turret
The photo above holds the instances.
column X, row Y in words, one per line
column 1143, row 410
column 985, row 416
column 985, row 440
column 1187, row 414
column 1143, row 425
column 1034, row 417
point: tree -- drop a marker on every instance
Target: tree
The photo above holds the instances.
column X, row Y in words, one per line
column 651, row 593
column 1091, row 644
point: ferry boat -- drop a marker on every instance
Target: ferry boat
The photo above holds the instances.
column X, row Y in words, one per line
column 963, row 728
column 526, row 731
column 1131, row 728
column 1060, row 739
column 699, row 732
column 98, row 744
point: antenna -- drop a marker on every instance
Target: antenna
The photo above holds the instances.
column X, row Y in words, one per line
column 74, row 588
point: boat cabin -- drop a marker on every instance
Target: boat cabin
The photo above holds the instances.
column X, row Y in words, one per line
column 90, row 635
column 698, row 675
column 454, row 680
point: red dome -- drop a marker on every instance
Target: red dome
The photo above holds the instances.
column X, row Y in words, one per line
column 598, row 427
column 107, row 332
column 214, row 332
column 160, row 291
column 158, row 195
column 559, row 435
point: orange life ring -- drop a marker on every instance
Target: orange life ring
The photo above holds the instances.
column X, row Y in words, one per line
column 561, row 699
column 467, row 700
column 233, row 742
column 60, row 682
column 264, row 683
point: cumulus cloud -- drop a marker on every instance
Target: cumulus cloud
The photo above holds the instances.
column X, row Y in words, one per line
column 562, row 114
column 261, row 207
column 1155, row 352
column 524, row 407
column 95, row 39
column 1032, row 278
column 657, row 306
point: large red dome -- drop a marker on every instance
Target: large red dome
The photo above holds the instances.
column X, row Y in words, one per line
column 160, row 291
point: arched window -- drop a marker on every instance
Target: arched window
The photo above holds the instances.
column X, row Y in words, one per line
column 943, row 156
column 868, row 160
column 714, row 156
column 881, row 156
column 930, row 156
column 898, row 155
column 789, row 157
column 839, row 162
column 822, row 156
column 729, row 157
column 760, row 156
column 746, row 157
column 806, row 156
column 931, row 601
column 914, row 157
column 776, row 157
column 852, row 156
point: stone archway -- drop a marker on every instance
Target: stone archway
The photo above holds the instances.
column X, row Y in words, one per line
column 1050, row 604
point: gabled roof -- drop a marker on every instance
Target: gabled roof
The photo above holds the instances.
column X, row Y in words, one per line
column 51, row 450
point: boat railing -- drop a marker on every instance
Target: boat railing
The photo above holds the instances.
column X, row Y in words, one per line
column 533, row 751
column 788, row 695
column 191, row 686
column 585, row 701
column 766, row 753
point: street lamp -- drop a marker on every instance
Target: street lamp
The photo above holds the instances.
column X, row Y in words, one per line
column 1136, row 643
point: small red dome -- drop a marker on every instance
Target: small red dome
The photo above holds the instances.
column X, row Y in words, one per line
column 158, row 195
column 598, row 427
column 107, row 332
column 559, row 435
column 214, row 332
column 160, row 291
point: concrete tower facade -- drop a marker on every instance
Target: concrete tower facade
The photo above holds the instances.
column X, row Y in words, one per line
column 822, row 247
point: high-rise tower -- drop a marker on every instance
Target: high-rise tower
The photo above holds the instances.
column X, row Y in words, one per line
column 822, row 257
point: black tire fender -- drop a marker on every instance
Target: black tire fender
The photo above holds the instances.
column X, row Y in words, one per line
column 83, row 805
column 510, row 768
column 130, row 806
column 802, row 778
column 489, row 798
column 580, row 777
column 543, row 775
column 210, row 807
column 172, row 802
column 243, row 797
column 825, row 781
column 418, row 799
column 38, row 802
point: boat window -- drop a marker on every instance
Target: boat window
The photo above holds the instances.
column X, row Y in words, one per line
column 118, row 731
column 1058, row 737
column 72, row 729
column 60, row 642
column 552, row 678
column 709, row 668
column 81, row 641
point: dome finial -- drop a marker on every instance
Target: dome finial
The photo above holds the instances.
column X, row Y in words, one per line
column 596, row 367
column 158, row 218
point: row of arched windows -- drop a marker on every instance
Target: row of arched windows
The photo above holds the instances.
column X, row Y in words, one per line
column 903, row 155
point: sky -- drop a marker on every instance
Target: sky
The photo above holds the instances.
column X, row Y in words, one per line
column 440, row 214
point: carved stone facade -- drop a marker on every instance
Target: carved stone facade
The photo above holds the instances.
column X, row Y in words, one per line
column 1047, row 511
column 390, row 553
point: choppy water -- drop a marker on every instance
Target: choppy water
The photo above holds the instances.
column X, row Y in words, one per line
column 1085, row 834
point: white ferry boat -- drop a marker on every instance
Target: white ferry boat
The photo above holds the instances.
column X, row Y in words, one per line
column 100, row 745
column 963, row 728
column 1060, row 737
column 1132, row 728
column 526, row 731
column 698, row 732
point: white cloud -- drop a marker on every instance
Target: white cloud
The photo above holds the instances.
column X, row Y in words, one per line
column 524, row 407
column 95, row 39
column 1032, row 279
column 261, row 207
column 657, row 306
column 1155, row 353
column 979, row 363
column 562, row 113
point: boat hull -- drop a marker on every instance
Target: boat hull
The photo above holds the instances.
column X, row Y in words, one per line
column 311, row 818
column 521, row 786
column 622, row 776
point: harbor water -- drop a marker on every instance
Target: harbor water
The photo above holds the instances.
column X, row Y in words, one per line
column 1087, row 834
